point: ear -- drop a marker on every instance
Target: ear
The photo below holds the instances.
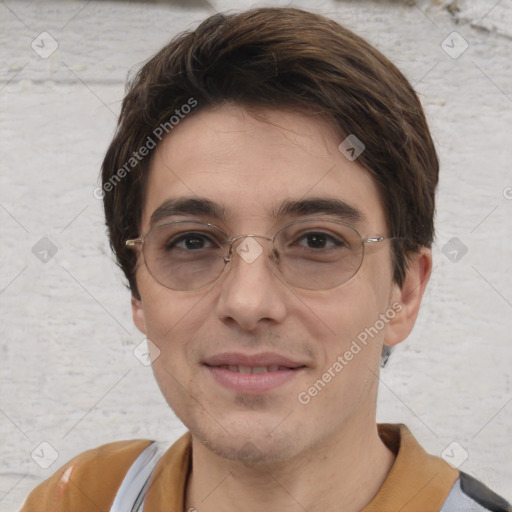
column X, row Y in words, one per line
column 138, row 315
column 409, row 295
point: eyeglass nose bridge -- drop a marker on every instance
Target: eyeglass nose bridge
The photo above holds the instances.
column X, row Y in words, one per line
column 240, row 237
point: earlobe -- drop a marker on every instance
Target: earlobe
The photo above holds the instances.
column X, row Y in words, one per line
column 138, row 315
column 409, row 295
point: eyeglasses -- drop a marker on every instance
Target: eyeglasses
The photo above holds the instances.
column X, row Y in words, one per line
column 312, row 254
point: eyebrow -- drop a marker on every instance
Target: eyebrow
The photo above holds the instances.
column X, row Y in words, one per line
column 202, row 206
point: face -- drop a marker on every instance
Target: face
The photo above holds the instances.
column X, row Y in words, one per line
column 251, row 317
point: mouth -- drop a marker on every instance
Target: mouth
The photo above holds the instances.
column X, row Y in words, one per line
column 255, row 369
column 252, row 374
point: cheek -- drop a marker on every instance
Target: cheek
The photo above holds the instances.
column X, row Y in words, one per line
column 170, row 329
column 164, row 313
column 350, row 322
column 351, row 346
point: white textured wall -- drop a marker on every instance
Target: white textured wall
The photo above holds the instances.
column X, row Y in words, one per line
column 68, row 376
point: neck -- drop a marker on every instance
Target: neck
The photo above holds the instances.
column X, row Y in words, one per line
column 346, row 469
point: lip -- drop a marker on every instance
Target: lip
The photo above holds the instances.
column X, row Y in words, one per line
column 252, row 383
column 262, row 359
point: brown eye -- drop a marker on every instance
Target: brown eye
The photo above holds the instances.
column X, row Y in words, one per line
column 189, row 241
column 319, row 240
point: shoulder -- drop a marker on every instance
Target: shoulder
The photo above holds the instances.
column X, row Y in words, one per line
column 470, row 495
column 87, row 482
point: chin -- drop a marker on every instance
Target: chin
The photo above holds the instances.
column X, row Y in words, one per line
column 251, row 451
column 251, row 443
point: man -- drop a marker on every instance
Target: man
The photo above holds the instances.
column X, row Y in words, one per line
column 269, row 194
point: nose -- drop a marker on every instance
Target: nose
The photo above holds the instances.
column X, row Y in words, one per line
column 251, row 291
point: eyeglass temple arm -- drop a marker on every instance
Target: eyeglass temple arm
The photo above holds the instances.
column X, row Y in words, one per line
column 134, row 241
column 377, row 239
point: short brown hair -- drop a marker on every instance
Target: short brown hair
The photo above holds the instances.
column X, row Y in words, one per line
column 277, row 58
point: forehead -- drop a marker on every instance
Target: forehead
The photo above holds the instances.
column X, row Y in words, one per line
column 255, row 168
